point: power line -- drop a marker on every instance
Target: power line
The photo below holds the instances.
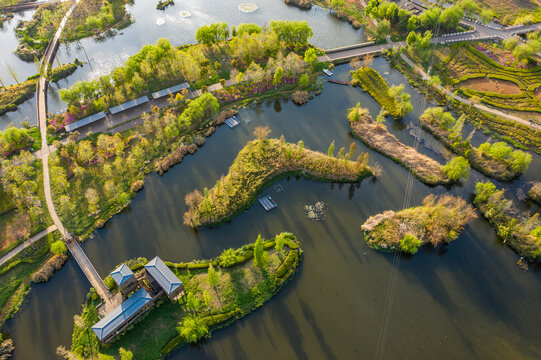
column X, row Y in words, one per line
column 384, row 330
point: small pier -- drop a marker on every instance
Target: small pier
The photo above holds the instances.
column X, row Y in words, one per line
column 267, row 203
column 232, row 122
column 338, row 82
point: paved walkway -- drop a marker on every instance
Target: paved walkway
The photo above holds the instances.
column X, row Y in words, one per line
column 481, row 32
column 467, row 101
column 41, row 99
column 26, row 243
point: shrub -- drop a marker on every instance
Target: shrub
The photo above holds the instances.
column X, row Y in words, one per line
column 228, row 258
column 300, row 97
column 410, row 244
column 58, row 247
column 290, row 261
column 457, row 168
column 192, row 328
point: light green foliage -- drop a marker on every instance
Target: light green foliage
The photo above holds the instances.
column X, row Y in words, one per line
column 526, row 51
column 200, row 108
column 518, row 160
column 383, row 29
column 13, row 138
column 278, row 74
column 521, row 234
column 213, row 33
column 457, row 168
column 380, row 119
column 192, row 328
column 213, row 276
column 125, row 354
column 402, row 98
column 330, row 151
column 260, row 255
column 291, row 31
column 58, row 247
column 419, row 45
column 410, row 244
column 445, row 119
column 247, row 29
column 280, row 241
column 228, row 258
column 310, row 57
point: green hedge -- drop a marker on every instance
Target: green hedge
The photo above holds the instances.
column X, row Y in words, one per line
column 291, row 260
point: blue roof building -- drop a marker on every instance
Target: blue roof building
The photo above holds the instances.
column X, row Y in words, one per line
column 122, row 316
column 165, row 278
column 122, row 274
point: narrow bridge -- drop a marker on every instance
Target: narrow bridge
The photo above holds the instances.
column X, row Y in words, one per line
column 480, row 32
column 41, row 99
column 22, row 6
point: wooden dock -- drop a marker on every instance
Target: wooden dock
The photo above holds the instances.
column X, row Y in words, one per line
column 267, row 203
column 232, row 122
column 339, row 82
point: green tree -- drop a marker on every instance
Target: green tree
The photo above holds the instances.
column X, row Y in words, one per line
column 457, row 168
column 410, row 244
column 125, row 354
column 310, row 57
column 192, row 302
column 228, row 258
column 280, row 241
column 330, row 151
column 278, row 74
column 247, row 29
column 58, row 247
column 291, row 31
column 520, row 160
column 213, row 277
column 260, row 255
column 403, row 99
column 383, row 29
column 192, row 328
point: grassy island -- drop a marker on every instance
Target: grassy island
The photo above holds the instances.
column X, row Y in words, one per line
column 218, row 292
column 372, row 82
column 522, row 233
column 260, row 162
column 376, row 136
column 497, row 160
column 16, row 94
column 162, row 4
column 438, row 221
column 91, row 17
column 535, row 192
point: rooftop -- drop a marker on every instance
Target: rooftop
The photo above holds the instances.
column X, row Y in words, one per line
column 163, row 275
column 121, row 274
column 112, row 321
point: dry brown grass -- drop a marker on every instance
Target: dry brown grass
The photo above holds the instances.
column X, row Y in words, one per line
column 535, row 192
column 300, row 97
column 437, row 221
column 378, row 138
column 49, row 268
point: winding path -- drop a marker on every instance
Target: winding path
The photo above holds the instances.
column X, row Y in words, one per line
column 26, row 243
column 41, row 99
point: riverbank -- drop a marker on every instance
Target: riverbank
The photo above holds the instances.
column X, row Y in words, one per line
column 243, row 285
column 438, row 221
column 522, row 233
column 14, row 95
column 447, row 130
column 377, row 137
column 93, row 18
column 259, row 163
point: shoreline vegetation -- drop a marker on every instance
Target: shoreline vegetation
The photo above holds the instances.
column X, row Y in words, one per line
column 162, row 4
column 95, row 178
column 521, row 232
column 438, row 221
column 496, row 160
column 372, row 82
column 535, row 192
column 376, row 136
column 260, row 162
column 219, row 292
column 16, row 94
column 91, row 17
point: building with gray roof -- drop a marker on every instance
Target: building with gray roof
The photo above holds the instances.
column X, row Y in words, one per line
column 122, row 316
column 124, row 278
column 164, row 277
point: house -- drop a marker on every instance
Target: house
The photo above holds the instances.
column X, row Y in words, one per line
column 164, row 278
column 123, row 315
column 125, row 279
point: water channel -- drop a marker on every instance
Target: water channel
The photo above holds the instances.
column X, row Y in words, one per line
column 465, row 300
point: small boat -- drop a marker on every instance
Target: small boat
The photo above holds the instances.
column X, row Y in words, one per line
column 327, row 72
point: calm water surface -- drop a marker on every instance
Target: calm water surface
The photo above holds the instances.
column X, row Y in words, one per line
column 465, row 300
column 102, row 55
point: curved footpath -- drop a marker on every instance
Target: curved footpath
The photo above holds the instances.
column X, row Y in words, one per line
column 41, row 99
